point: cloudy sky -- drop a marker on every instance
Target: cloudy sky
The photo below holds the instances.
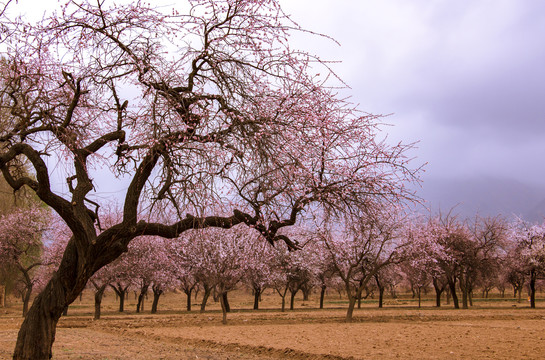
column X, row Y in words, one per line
column 466, row 78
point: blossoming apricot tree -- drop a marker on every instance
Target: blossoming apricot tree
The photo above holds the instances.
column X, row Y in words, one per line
column 205, row 109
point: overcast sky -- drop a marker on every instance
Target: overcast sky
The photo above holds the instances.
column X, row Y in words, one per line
column 465, row 78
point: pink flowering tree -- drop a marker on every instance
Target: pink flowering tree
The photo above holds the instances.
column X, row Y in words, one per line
column 300, row 274
column 322, row 267
column 100, row 281
column 291, row 271
column 388, row 277
column 122, row 278
column 280, row 273
column 259, row 270
column 208, row 106
column 367, row 244
column 462, row 251
column 182, row 267
column 530, row 246
column 150, row 266
column 221, row 261
column 425, row 257
column 21, row 246
column 514, row 268
column 157, row 265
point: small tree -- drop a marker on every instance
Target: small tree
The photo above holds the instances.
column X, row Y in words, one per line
column 280, row 275
column 259, row 269
column 182, row 267
column 530, row 240
column 218, row 262
column 322, row 267
column 21, row 245
column 358, row 255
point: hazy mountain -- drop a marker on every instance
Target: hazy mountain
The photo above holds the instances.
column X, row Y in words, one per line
column 486, row 196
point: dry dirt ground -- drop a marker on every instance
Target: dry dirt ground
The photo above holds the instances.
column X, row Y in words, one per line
column 489, row 330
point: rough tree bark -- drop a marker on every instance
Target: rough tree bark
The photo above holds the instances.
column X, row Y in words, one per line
column 257, row 296
column 121, row 292
column 452, row 287
column 322, row 296
column 439, row 288
column 99, row 293
column 381, row 289
column 143, row 292
column 292, row 298
column 226, row 301
column 206, row 295
column 533, row 278
column 223, row 308
column 188, row 301
column 37, row 333
column 157, row 292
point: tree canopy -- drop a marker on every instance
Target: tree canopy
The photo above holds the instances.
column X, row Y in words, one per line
column 208, row 112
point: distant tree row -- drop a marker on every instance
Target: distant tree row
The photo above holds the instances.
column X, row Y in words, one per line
column 371, row 254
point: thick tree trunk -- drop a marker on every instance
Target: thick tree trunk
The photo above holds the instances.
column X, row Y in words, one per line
column 37, row 333
column 156, row 294
column 380, row 296
column 257, row 295
column 438, row 291
column 99, row 293
column 283, row 296
column 26, row 299
column 307, row 289
column 465, row 286
column 226, row 302
column 452, row 286
column 206, row 294
column 188, row 302
column 351, row 306
column 533, row 277
column 322, row 296
column 292, row 299
column 122, row 301
column 223, row 304
column 465, row 304
column 140, row 303
column 380, row 290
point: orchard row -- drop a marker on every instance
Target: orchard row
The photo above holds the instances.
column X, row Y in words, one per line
column 375, row 252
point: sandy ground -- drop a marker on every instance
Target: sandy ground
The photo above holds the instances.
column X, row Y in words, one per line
column 490, row 330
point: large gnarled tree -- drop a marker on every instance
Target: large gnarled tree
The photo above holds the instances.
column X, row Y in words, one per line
column 210, row 109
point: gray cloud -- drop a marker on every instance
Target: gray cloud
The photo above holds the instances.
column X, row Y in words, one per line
column 466, row 77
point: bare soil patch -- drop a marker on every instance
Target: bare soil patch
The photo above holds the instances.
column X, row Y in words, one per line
column 490, row 330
